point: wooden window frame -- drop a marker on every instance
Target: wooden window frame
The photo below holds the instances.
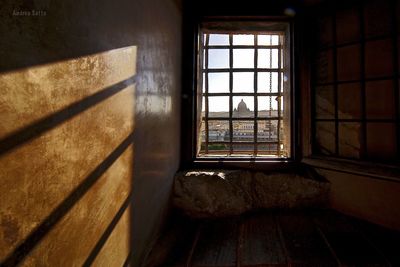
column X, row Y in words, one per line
column 260, row 23
column 363, row 120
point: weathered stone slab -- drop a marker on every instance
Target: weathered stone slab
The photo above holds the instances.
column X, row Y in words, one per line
column 284, row 190
column 224, row 193
column 213, row 194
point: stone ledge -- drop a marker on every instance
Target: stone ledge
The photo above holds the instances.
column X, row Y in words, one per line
column 215, row 193
column 369, row 169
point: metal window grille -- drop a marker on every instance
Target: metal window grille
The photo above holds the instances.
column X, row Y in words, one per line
column 240, row 130
column 356, row 106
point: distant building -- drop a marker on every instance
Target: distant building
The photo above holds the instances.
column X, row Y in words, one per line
column 243, row 130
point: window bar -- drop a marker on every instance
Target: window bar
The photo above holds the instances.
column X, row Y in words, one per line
column 243, row 46
column 242, row 70
column 206, row 91
column 241, row 94
column 315, row 147
column 358, row 120
column 363, row 141
column 241, row 143
column 279, row 97
column 230, row 91
column 255, row 94
column 242, row 118
column 335, row 85
column 396, row 74
column 270, row 90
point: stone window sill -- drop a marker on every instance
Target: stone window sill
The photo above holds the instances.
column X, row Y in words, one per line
column 372, row 170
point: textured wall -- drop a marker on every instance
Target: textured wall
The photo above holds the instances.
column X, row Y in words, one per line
column 89, row 129
column 371, row 199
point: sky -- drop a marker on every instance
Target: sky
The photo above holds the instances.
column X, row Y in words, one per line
column 242, row 81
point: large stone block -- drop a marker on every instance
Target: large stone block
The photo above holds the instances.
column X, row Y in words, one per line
column 213, row 193
column 224, row 193
column 288, row 190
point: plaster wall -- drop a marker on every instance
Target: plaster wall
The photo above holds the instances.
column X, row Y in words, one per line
column 89, row 129
column 370, row 199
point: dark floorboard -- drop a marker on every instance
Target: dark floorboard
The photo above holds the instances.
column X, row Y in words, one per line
column 304, row 244
column 261, row 242
column 347, row 242
column 288, row 238
column 217, row 244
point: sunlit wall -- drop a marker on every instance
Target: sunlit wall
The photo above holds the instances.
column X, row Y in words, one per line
column 89, row 130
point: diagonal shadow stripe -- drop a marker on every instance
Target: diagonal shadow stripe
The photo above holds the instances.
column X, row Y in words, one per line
column 62, row 209
column 127, row 262
column 51, row 121
column 104, row 237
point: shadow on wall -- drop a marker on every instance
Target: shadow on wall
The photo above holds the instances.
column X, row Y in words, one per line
column 67, row 153
column 89, row 129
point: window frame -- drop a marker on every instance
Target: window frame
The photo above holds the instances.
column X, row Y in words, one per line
column 236, row 25
column 363, row 119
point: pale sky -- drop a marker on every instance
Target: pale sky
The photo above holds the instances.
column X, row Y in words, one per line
column 221, row 103
column 243, row 82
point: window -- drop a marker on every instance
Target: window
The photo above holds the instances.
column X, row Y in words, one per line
column 356, row 84
column 244, row 80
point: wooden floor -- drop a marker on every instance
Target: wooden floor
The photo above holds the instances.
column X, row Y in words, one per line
column 323, row 238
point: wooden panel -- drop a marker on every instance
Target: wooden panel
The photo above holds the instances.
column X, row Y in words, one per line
column 347, row 26
column 325, row 137
column 349, row 139
column 377, row 18
column 398, row 48
column 378, row 147
column 261, row 242
column 304, row 245
column 324, row 30
column 380, row 102
column 398, row 15
column 350, row 247
column 324, row 102
column 349, row 101
column 217, row 245
column 348, row 63
column 324, row 61
column 378, row 58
